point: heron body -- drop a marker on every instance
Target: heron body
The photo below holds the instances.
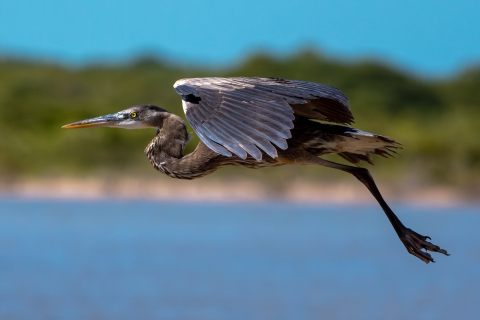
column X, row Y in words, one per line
column 165, row 151
column 259, row 123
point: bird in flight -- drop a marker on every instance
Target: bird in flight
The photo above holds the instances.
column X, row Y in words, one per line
column 260, row 123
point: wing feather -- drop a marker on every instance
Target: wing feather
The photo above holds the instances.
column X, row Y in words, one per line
column 243, row 141
column 263, row 120
column 260, row 123
column 225, row 139
column 249, row 127
column 265, row 107
column 243, row 115
column 255, row 139
column 215, row 146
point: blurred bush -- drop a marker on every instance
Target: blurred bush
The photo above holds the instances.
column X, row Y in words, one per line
column 437, row 120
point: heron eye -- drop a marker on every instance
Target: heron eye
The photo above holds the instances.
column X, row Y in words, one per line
column 133, row 114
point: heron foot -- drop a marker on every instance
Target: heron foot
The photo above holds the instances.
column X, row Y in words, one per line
column 415, row 242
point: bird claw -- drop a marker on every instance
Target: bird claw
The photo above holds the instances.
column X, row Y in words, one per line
column 415, row 242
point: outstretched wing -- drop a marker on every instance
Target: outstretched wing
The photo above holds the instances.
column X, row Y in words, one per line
column 241, row 115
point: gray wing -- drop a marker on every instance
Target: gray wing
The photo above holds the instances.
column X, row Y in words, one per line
column 241, row 115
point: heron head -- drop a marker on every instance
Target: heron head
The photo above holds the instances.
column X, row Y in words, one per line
column 137, row 117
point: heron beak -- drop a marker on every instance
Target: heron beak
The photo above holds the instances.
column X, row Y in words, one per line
column 110, row 120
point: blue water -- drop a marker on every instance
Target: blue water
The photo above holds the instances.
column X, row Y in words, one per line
column 158, row 260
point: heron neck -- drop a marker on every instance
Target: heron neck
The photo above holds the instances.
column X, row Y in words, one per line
column 169, row 142
column 165, row 152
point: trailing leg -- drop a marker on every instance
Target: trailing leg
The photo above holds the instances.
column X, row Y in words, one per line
column 413, row 241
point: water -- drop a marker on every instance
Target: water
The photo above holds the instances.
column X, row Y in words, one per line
column 157, row 260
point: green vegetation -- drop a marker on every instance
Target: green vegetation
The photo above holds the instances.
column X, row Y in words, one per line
column 437, row 121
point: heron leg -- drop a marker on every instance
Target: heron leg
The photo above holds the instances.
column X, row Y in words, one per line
column 413, row 241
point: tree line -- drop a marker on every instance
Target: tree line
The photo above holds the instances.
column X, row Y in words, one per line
column 436, row 120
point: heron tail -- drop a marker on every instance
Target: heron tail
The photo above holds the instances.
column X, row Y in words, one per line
column 355, row 145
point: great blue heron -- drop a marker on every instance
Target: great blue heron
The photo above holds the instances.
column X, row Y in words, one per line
column 259, row 123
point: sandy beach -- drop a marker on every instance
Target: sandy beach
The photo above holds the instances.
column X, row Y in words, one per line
column 347, row 193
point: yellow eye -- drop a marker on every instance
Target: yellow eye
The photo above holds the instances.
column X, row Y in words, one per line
column 133, row 114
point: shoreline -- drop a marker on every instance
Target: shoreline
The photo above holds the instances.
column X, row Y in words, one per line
column 338, row 193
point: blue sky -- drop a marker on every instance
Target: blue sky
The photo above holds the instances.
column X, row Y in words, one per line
column 428, row 37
